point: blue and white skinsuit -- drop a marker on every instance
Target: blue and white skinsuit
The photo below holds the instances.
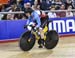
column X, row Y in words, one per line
column 34, row 18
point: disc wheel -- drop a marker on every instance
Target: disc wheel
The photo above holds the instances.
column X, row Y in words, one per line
column 52, row 39
column 27, row 41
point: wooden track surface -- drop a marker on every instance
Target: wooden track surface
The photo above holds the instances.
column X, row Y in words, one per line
column 64, row 49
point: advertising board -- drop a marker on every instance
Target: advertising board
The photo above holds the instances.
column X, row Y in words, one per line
column 12, row 29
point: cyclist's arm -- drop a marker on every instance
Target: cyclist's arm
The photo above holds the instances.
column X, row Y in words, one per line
column 37, row 18
column 38, row 22
column 28, row 21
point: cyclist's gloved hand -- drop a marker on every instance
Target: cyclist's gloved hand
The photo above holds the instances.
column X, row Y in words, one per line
column 29, row 28
column 35, row 27
column 32, row 24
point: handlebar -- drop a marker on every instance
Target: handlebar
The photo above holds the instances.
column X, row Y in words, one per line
column 25, row 26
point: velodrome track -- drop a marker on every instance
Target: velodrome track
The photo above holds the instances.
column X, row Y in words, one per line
column 64, row 49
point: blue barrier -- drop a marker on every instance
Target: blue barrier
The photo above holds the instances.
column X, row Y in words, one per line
column 14, row 28
column 11, row 29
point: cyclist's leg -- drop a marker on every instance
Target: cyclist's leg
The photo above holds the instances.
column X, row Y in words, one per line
column 41, row 40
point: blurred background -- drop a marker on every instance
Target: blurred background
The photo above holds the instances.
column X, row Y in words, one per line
column 37, row 5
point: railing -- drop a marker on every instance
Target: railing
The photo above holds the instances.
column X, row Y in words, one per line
column 60, row 10
column 21, row 12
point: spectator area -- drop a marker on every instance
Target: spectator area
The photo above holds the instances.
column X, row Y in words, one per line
column 37, row 5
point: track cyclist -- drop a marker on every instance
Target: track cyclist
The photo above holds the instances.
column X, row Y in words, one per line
column 34, row 20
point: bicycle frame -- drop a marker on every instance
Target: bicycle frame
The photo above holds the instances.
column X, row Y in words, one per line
column 36, row 33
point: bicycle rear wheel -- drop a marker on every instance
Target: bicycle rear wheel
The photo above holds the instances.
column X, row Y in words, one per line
column 52, row 39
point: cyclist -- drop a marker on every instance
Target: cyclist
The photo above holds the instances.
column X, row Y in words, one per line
column 34, row 19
